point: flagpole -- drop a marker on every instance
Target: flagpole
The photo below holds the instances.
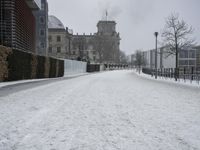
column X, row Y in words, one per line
column 106, row 15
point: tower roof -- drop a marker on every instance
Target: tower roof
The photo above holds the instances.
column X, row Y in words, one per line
column 55, row 23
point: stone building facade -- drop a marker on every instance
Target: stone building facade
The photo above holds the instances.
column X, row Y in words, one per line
column 41, row 17
column 59, row 39
column 100, row 47
column 83, row 48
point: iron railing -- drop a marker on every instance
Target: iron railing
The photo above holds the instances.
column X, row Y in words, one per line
column 192, row 73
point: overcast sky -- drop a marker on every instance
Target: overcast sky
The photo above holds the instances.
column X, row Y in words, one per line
column 137, row 20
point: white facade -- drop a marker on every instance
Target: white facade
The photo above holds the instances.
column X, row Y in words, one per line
column 73, row 67
column 163, row 59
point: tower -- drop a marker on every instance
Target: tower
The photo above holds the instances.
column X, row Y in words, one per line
column 110, row 40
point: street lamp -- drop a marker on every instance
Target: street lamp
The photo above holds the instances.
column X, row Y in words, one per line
column 156, row 52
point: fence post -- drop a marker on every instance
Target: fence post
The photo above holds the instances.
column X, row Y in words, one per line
column 192, row 73
column 184, row 72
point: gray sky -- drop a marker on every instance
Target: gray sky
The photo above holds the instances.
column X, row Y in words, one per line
column 137, row 20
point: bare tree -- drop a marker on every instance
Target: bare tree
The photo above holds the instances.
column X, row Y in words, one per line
column 139, row 62
column 176, row 35
column 122, row 57
column 98, row 46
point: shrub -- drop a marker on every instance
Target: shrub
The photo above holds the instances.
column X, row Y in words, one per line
column 18, row 65
column 4, row 52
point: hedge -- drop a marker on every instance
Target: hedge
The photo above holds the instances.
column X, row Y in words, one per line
column 93, row 67
column 19, row 65
column 147, row 71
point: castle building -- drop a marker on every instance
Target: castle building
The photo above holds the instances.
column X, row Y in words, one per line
column 100, row 47
column 109, row 41
column 17, row 24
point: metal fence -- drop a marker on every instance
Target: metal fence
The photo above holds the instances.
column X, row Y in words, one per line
column 192, row 73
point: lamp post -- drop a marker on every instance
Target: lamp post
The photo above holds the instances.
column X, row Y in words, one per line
column 156, row 52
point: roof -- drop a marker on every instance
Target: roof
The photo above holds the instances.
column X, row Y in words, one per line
column 55, row 23
column 106, row 22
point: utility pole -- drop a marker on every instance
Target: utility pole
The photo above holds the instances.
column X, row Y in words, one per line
column 156, row 54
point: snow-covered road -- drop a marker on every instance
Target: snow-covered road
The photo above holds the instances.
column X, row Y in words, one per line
column 115, row 110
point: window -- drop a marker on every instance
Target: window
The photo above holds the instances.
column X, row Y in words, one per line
column 50, row 49
column 58, row 49
column 42, row 32
column 183, row 54
column 42, row 20
column 192, row 62
column 191, row 54
column 58, row 38
column 42, row 6
column 183, row 62
column 42, row 45
column 50, row 38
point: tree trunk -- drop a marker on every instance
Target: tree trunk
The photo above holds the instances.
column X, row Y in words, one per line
column 176, row 69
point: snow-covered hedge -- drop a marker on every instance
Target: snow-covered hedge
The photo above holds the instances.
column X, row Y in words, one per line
column 18, row 65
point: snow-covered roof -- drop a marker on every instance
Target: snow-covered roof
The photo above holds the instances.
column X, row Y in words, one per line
column 55, row 23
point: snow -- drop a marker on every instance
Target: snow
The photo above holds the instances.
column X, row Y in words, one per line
column 182, row 82
column 72, row 75
column 3, row 84
column 105, row 111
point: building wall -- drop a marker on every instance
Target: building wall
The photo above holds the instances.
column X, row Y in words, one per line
column 58, row 44
column 106, row 27
column 17, row 25
column 103, row 46
column 187, row 58
column 83, row 47
column 110, row 41
column 42, row 29
column 163, row 60
column 198, row 56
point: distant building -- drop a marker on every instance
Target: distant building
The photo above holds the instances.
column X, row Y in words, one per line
column 83, row 48
column 163, row 59
column 187, row 58
column 102, row 47
column 111, row 41
column 42, row 29
column 17, row 24
column 59, row 38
